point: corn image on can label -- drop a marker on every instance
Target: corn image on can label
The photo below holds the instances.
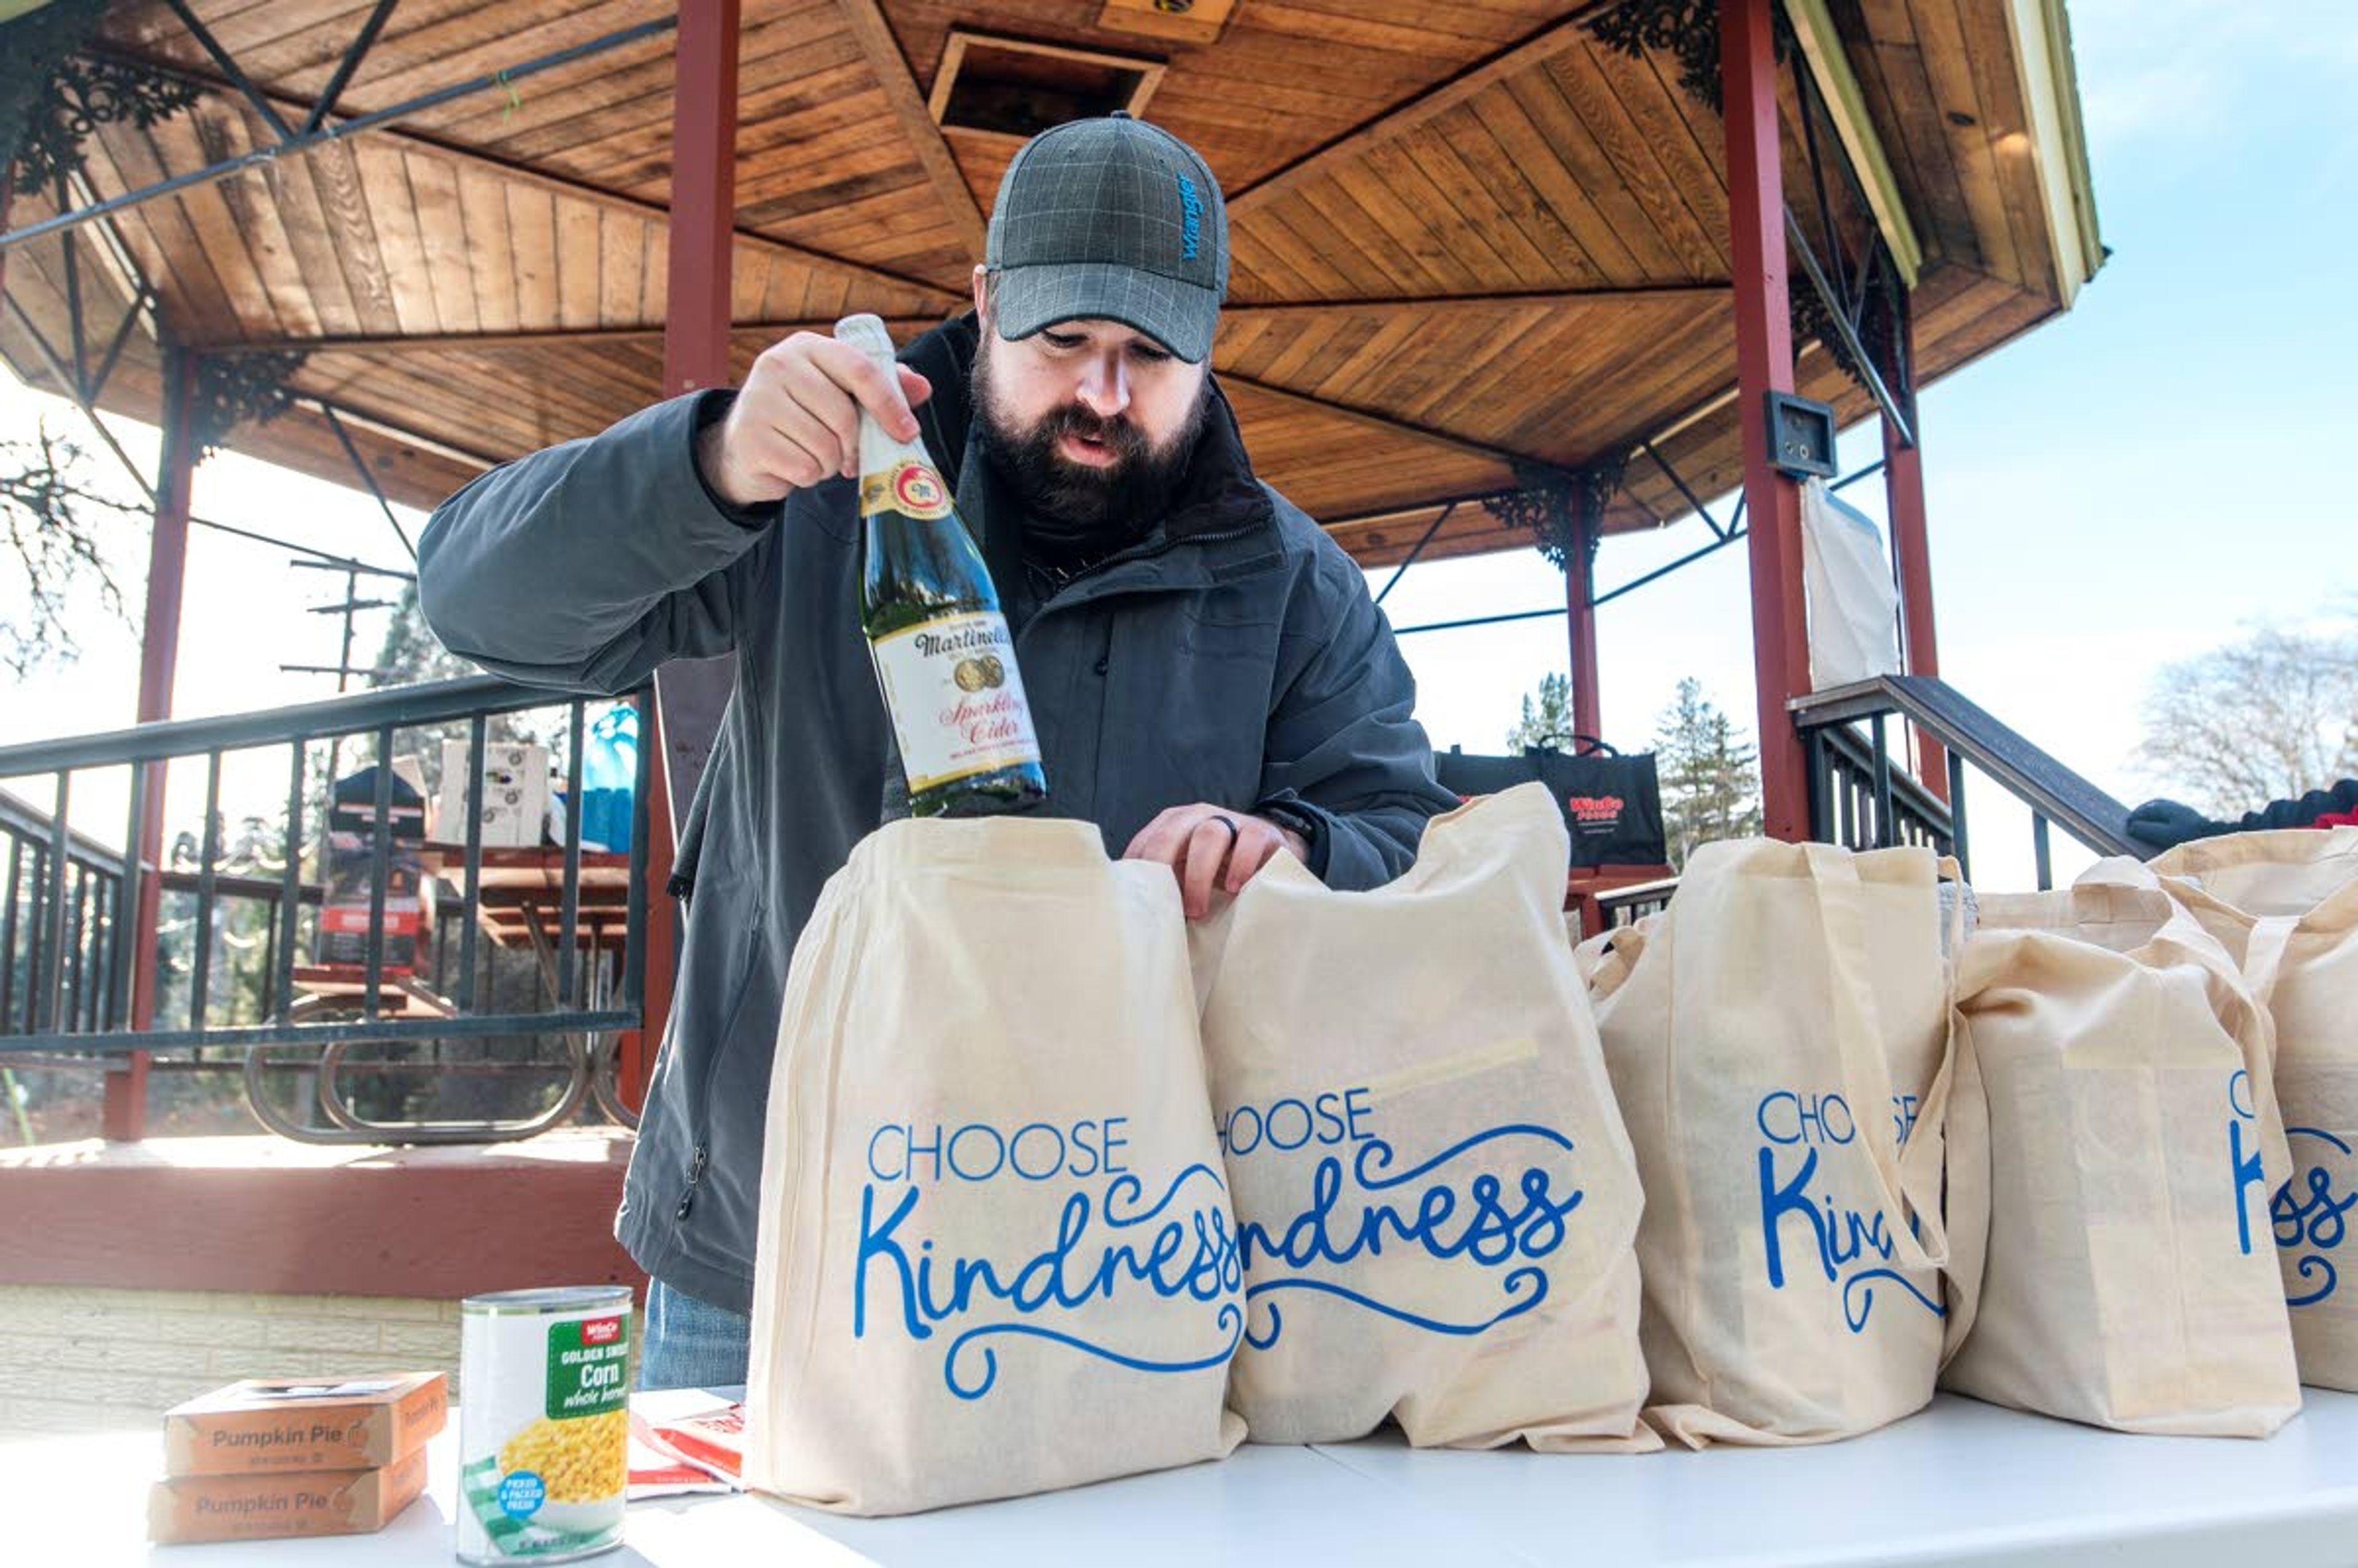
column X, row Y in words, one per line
column 544, row 1383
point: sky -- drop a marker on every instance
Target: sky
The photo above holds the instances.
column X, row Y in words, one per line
column 2138, row 481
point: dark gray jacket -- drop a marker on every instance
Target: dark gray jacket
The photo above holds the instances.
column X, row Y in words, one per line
column 1233, row 658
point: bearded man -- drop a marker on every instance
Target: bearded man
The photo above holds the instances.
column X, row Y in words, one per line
column 1208, row 678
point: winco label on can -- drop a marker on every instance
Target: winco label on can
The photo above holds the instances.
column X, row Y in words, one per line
column 544, row 1456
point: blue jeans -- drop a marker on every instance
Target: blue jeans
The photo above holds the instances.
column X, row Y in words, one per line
column 691, row 1344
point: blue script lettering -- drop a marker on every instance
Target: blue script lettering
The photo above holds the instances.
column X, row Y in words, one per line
column 1842, row 1237
column 2317, row 1220
column 1444, row 1218
column 1191, row 1253
column 2246, row 1167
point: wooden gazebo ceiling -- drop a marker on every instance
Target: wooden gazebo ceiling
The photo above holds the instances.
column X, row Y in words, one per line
column 1465, row 236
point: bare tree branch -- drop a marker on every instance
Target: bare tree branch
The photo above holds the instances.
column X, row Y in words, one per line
column 48, row 508
column 2266, row 718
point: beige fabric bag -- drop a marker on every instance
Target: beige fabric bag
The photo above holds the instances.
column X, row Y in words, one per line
column 1770, row 1036
column 1437, row 1203
column 2124, row 1074
column 2284, row 906
column 996, row 1254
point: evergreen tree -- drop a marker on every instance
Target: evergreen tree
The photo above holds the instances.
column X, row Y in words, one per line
column 1709, row 775
column 410, row 651
column 1547, row 721
column 411, row 654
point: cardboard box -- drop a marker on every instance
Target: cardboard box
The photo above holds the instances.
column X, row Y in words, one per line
column 256, row 1507
column 514, row 794
column 272, row 1426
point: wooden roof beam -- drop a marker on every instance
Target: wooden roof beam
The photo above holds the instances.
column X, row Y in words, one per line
column 377, row 425
column 614, row 200
column 1411, row 113
column 1845, row 105
column 557, row 184
column 1388, row 425
column 557, row 337
column 874, row 34
column 1551, row 299
column 1416, row 511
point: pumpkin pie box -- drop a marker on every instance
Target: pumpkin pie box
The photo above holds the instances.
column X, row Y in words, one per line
column 303, row 1502
column 274, row 1426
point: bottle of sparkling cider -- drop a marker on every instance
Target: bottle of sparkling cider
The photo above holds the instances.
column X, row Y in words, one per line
column 943, row 654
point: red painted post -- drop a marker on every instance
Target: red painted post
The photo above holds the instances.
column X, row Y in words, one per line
column 1903, row 478
column 1764, row 360
column 690, row 696
column 703, row 197
column 1911, row 551
column 1580, row 590
column 124, row 1114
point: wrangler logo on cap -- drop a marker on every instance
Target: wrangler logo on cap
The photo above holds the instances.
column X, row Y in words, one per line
column 1191, row 219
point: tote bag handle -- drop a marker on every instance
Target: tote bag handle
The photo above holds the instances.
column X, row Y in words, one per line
column 1908, row 1187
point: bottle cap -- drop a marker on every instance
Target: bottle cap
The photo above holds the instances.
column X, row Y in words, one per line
column 866, row 333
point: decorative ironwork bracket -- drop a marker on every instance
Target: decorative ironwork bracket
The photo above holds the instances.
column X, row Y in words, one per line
column 1687, row 28
column 235, row 389
column 52, row 97
column 1560, row 508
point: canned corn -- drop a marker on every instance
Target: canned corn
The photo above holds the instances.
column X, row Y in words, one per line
column 543, row 1424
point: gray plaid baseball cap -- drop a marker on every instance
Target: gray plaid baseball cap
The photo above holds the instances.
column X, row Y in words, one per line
column 1110, row 218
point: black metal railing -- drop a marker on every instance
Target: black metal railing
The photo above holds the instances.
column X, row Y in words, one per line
column 1859, row 797
column 57, row 933
column 72, row 949
column 1627, row 905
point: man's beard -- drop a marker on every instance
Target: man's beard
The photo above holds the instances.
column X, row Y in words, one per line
column 1122, row 498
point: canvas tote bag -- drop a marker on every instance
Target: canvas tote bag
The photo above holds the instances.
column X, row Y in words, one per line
column 1853, row 602
column 1437, row 1203
column 1778, row 1042
column 996, row 1254
column 2285, row 905
column 2123, row 1072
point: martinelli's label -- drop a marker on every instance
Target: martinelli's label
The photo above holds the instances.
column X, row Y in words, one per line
column 955, row 698
column 908, row 487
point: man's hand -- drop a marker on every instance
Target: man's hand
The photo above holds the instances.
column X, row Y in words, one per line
column 1210, row 845
column 797, row 419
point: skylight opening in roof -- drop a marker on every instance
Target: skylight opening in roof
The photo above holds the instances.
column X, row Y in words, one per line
column 1015, row 88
